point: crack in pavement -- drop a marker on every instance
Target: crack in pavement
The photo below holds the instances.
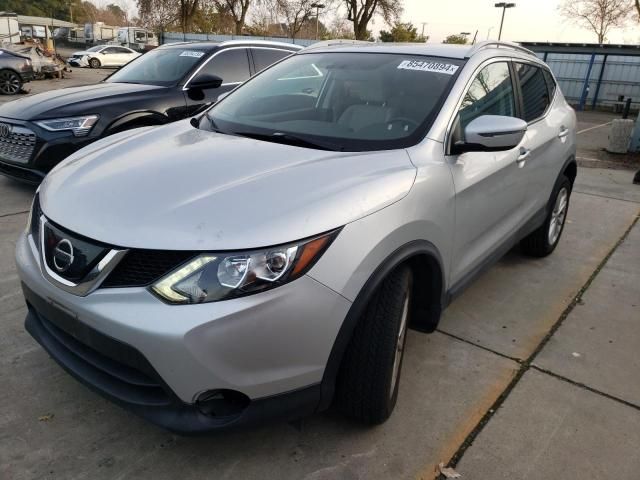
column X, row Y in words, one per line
column 528, row 363
column 12, row 214
column 575, row 190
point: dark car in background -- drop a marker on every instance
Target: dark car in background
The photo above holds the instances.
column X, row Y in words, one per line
column 166, row 84
column 15, row 71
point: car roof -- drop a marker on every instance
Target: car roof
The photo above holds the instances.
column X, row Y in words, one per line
column 212, row 45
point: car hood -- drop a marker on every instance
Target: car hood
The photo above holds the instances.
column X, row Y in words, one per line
column 177, row 187
column 70, row 101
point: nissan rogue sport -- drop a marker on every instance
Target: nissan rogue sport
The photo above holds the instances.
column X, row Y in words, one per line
column 266, row 258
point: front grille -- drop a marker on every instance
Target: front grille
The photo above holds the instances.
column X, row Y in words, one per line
column 18, row 145
column 140, row 268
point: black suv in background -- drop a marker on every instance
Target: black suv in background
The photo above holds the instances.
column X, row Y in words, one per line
column 166, row 84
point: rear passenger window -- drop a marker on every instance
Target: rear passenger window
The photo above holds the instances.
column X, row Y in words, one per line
column 265, row 57
column 551, row 83
column 535, row 96
column 230, row 65
column 491, row 93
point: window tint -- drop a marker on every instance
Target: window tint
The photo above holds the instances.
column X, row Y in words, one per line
column 551, row 84
column 161, row 66
column 231, row 65
column 110, row 50
column 264, row 57
column 122, row 50
column 491, row 93
column 535, row 95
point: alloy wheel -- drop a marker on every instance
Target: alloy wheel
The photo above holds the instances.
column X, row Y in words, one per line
column 402, row 333
column 558, row 216
column 10, row 83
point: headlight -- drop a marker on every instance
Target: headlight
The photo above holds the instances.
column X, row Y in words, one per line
column 211, row 277
column 33, row 222
column 80, row 126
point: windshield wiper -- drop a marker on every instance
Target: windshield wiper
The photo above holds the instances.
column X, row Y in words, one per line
column 289, row 139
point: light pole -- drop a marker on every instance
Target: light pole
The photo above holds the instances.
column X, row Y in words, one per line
column 317, row 6
column 503, row 6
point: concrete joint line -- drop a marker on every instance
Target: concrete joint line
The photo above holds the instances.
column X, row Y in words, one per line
column 12, row 214
column 527, row 364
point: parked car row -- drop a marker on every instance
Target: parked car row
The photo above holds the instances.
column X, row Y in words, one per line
column 265, row 257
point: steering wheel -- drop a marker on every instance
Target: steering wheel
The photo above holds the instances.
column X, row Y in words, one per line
column 405, row 123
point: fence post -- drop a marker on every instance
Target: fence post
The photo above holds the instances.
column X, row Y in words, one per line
column 595, row 95
column 585, row 88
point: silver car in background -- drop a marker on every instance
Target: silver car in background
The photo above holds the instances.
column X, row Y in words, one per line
column 266, row 259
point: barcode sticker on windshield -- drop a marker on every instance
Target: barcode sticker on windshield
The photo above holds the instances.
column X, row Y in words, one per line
column 422, row 66
column 191, row 53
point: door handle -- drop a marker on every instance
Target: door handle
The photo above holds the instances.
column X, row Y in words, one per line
column 564, row 131
column 524, row 154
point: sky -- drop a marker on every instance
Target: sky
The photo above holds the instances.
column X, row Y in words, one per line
column 528, row 21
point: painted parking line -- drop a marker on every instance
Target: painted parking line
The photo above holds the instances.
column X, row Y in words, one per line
column 593, row 128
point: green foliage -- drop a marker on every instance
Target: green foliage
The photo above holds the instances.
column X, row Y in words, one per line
column 59, row 9
column 459, row 39
column 401, row 32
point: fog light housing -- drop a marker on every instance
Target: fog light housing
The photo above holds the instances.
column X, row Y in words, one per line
column 222, row 403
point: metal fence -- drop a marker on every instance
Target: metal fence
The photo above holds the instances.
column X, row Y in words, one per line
column 611, row 79
column 172, row 37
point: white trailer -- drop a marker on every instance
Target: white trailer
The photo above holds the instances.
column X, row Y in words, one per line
column 9, row 28
column 137, row 38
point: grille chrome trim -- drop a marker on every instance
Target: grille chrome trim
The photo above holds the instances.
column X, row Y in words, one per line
column 91, row 281
column 18, row 145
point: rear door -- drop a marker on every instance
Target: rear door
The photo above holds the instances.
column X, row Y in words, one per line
column 231, row 64
column 547, row 133
column 490, row 186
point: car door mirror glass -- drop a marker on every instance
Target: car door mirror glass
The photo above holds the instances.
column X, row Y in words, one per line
column 491, row 133
column 205, row 80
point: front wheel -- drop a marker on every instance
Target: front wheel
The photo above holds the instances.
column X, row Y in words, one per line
column 10, row 82
column 544, row 240
column 94, row 63
column 369, row 377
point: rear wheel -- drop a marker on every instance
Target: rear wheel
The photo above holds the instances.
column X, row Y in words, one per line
column 369, row 377
column 94, row 63
column 10, row 82
column 544, row 240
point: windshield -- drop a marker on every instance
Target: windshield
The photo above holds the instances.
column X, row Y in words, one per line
column 95, row 49
column 162, row 66
column 339, row 101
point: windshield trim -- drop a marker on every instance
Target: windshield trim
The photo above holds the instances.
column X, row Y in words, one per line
column 365, row 145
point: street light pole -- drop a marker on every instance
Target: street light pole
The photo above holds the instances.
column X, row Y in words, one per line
column 317, row 6
column 503, row 6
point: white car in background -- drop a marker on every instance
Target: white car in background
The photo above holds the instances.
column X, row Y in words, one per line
column 103, row 56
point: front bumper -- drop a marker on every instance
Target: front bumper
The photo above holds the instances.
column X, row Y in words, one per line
column 156, row 359
column 50, row 148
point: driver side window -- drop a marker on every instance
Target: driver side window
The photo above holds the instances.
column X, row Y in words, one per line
column 490, row 93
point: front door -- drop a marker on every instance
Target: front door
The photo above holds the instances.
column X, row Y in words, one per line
column 490, row 186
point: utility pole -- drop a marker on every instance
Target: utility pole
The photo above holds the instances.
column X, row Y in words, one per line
column 317, row 6
column 503, row 6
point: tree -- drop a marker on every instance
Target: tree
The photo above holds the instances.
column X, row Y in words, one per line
column 296, row 14
column 401, row 32
column 188, row 9
column 360, row 12
column 600, row 16
column 637, row 3
column 458, row 39
column 158, row 15
column 237, row 9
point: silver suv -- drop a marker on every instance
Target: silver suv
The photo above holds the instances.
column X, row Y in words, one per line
column 266, row 258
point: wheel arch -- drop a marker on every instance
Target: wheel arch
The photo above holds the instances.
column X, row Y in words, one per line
column 428, row 302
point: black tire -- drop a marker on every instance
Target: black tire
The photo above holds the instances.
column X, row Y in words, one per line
column 366, row 390
column 94, row 63
column 10, row 82
column 540, row 242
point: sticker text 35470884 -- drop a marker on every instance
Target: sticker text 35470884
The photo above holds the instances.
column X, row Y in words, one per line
column 428, row 66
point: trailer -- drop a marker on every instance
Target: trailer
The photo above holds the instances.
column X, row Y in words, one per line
column 9, row 28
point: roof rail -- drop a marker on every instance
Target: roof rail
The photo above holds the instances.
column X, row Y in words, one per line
column 331, row 43
column 498, row 44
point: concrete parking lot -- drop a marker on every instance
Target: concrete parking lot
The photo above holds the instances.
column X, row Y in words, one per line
column 531, row 375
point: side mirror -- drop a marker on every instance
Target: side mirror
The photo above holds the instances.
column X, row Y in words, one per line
column 205, row 80
column 492, row 133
